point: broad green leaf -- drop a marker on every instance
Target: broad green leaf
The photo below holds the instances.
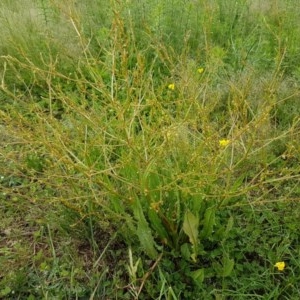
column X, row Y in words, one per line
column 198, row 276
column 194, row 255
column 157, row 225
column 185, row 251
column 228, row 265
column 146, row 239
column 197, row 202
column 190, row 228
column 143, row 231
column 208, row 223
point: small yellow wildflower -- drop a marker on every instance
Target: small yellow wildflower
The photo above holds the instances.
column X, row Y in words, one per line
column 200, row 70
column 224, row 142
column 171, row 86
column 280, row 265
column 155, row 206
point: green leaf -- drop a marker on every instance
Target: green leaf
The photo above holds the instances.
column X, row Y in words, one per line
column 185, row 251
column 209, row 222
column 146, row 239
column 197, row 202
column 190, row 227
column 224, row 268
column 228, row 265
column 223, row 232
column 5, row 291
column 143, row 231
column 198, row 276
column 157, row 225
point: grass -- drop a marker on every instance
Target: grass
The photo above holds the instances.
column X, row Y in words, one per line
column 149, row 150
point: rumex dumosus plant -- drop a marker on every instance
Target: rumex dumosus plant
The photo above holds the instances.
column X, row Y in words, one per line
column 150, row 141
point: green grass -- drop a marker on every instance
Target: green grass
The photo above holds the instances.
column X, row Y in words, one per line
column 149, row 150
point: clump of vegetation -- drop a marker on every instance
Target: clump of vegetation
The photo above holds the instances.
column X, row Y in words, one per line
column 150, row 150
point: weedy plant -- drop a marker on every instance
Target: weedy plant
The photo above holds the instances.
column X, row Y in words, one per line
column 165, row 144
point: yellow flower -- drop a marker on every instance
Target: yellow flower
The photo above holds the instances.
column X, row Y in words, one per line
column 224, row 142
column 171, row 86
column 280, row 265
column 200, row 70
column 155, row 206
